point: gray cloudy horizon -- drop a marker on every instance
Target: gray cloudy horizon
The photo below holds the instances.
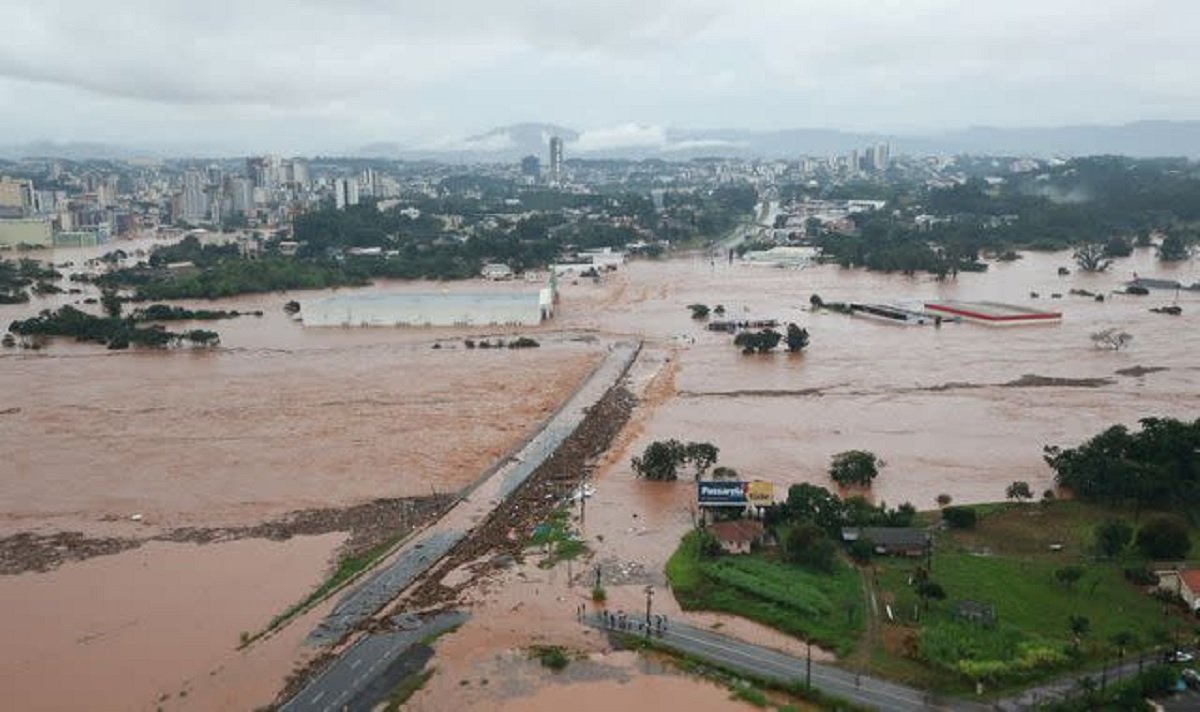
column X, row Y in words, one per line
column 303, row 76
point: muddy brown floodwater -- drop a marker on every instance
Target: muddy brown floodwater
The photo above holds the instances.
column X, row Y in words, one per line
column 284, row 418
column 963, row 409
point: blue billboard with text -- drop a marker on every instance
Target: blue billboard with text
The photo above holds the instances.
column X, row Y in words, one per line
column 722, row 494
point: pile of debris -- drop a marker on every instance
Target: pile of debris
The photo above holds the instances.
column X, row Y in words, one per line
column 369, row 524
column 554, row 482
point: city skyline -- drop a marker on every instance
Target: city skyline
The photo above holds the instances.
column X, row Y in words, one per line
column 309, row 78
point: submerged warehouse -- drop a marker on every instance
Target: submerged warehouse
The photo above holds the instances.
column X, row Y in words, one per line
column 450, row 309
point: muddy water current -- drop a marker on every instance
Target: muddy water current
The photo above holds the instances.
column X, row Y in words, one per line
column 283, row 418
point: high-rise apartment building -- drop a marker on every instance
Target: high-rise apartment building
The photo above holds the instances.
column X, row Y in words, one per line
column 193, row 200
column 531, row 166
column 16, row 197
column 345, row 192
column 556, row 159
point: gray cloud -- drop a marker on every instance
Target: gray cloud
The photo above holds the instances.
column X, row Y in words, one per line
column 363, row 70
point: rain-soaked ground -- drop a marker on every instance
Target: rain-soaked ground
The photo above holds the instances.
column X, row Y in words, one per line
column 286, row 418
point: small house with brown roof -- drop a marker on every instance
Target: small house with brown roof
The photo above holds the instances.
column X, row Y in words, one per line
column 738, row 535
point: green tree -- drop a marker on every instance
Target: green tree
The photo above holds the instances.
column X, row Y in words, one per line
column 1174, row 248
column 761, row 342
column 960, row 517
column 699, row 311
column 944, row 500
column 701, row 456
column 1164, row 538
column 1112, row 537
column 808, row 546
column 862, row 551
column 930, row 590
column 1019, row 491
column 811, row 503
column 660, row 460
column 1118, row 246
column 110, row 302
column 855, row 468
column 797, row 338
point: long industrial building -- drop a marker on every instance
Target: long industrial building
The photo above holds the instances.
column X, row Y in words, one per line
column 457, row 309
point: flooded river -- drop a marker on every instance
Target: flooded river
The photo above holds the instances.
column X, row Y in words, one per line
column 283, row 418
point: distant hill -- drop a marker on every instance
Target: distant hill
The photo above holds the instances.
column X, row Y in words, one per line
column 510, row 143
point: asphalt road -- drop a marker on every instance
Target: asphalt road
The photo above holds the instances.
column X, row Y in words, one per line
column 383, row 586
column 344, row 684
column 757, row 661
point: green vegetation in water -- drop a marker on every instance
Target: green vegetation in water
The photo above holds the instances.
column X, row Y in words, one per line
column 551, row 656
column 556, row 537
column 823, row 608
column 169, row 312
column 406, row 689
column 112, row 331
column 1125, row 196
column 17, row 275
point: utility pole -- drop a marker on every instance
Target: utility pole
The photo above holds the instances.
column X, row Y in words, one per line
column 649, row 598
column 582, row 505
column 808, row 665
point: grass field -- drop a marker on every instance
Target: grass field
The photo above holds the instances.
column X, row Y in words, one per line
column 1007, row 562
column 823, row 608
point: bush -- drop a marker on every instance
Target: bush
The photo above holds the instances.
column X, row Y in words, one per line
column 807, row 545
column 861, row 550
column 599, row 595
column 960, row 517
column 1164, row 538
column 1141, row 576
column 1112, row 537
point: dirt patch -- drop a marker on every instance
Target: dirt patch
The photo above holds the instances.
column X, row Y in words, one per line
column 506, row 529
column 370, row 524
column 1140, row 370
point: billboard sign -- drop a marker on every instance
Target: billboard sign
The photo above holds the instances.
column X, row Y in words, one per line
column 723, row 493
column 760, row 494
column 732, row 493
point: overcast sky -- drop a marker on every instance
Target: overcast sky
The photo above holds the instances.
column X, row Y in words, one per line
column 304, row 76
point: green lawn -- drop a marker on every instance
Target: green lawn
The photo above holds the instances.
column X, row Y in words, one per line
column 1007, row 562
column 824, row 608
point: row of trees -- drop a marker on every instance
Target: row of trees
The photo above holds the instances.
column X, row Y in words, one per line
column 111, row 330
column 1157, row 466
column 662, row 460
